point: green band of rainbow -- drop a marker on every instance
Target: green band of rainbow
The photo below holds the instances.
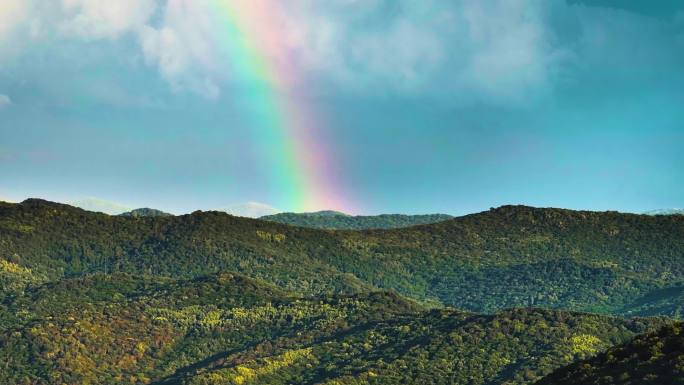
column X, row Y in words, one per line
column 300, row 173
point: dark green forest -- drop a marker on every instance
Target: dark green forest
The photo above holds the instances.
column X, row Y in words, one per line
column 513, row 256
column 145, row 212
column 507, row 296
column 334, row 220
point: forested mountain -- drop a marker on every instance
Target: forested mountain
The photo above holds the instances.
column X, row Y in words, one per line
column 208, row 298
column 229, row 329
column 340, row 221
column 145, row 212
column 513, row 256
column 653, row 358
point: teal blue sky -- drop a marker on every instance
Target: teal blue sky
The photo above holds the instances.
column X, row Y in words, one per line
column 431, row 106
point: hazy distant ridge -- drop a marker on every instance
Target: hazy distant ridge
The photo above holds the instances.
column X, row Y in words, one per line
column 340, row 221
column 665, row 212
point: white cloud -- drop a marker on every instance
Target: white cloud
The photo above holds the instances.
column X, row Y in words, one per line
column 509, row 50
column 12, row 13
column 96, row 19
column 100, row 205
column 182, row 47
column 403, row 55
column 251, row 209
column 499, row 50
column 5, row 101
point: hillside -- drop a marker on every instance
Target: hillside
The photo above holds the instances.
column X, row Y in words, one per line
column 145, row 212
column 339, row 221
column 208, row 298
column 653, row 358
column 513, row 256
column 230, row 329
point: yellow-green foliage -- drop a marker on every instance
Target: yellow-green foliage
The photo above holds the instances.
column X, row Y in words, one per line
column 10, row 267
column 19, row 227
column 250, row 372
column 87, row 346
column 585, row 344
column 271, row 237
column 605, row 264
column 14, row 277
column 209, row 317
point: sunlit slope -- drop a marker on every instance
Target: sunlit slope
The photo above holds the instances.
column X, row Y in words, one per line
column 229, row 329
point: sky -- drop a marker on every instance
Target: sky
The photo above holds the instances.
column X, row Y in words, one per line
column 362, row 106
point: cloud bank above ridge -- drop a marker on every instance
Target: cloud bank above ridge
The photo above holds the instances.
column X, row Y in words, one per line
column 499, row 50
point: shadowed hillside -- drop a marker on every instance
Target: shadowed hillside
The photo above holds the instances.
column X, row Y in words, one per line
column 653, row 358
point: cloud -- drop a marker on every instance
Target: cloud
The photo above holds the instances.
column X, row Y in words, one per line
column 509, row 50
column 181, row 47
column 96, row 19
column 5, row 101
column 100, row 205
column 498, row 51
column 404, row 54
column 12, row 13
column 251, row 209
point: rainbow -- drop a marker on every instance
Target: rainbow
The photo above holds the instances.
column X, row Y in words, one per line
column 302, row 173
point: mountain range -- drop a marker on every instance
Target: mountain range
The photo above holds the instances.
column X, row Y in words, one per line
column 340, row 221
column 328, row 219
column 510, row 296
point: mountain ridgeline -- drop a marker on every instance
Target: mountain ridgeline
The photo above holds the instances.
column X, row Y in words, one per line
column 499, row 297
column 335, row 220
column 513, row 256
